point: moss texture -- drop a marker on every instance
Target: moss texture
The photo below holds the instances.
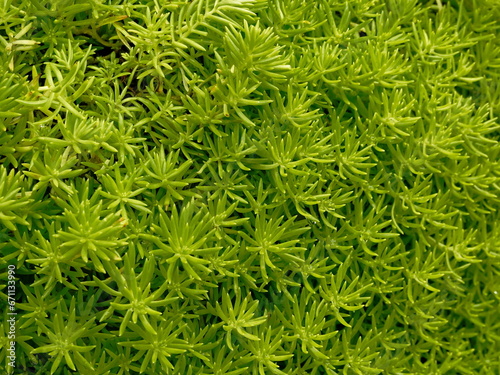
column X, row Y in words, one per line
column 250, row 186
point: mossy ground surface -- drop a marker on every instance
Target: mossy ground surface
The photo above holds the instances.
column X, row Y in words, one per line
column 250, row 186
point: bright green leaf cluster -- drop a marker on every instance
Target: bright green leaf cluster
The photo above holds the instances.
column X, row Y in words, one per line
column 251, row 186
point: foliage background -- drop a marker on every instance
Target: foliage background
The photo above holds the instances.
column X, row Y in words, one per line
column 251, row 186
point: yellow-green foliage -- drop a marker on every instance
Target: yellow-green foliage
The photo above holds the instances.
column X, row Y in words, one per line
column 251, row 186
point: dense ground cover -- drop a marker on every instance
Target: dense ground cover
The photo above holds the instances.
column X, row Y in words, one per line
column 250, row 186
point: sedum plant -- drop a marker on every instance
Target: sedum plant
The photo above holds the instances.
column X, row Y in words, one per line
column 250, row 186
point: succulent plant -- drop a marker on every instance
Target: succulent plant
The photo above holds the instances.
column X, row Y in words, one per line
column 250, row 186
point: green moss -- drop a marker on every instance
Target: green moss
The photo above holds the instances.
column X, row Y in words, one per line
column 250, row 186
